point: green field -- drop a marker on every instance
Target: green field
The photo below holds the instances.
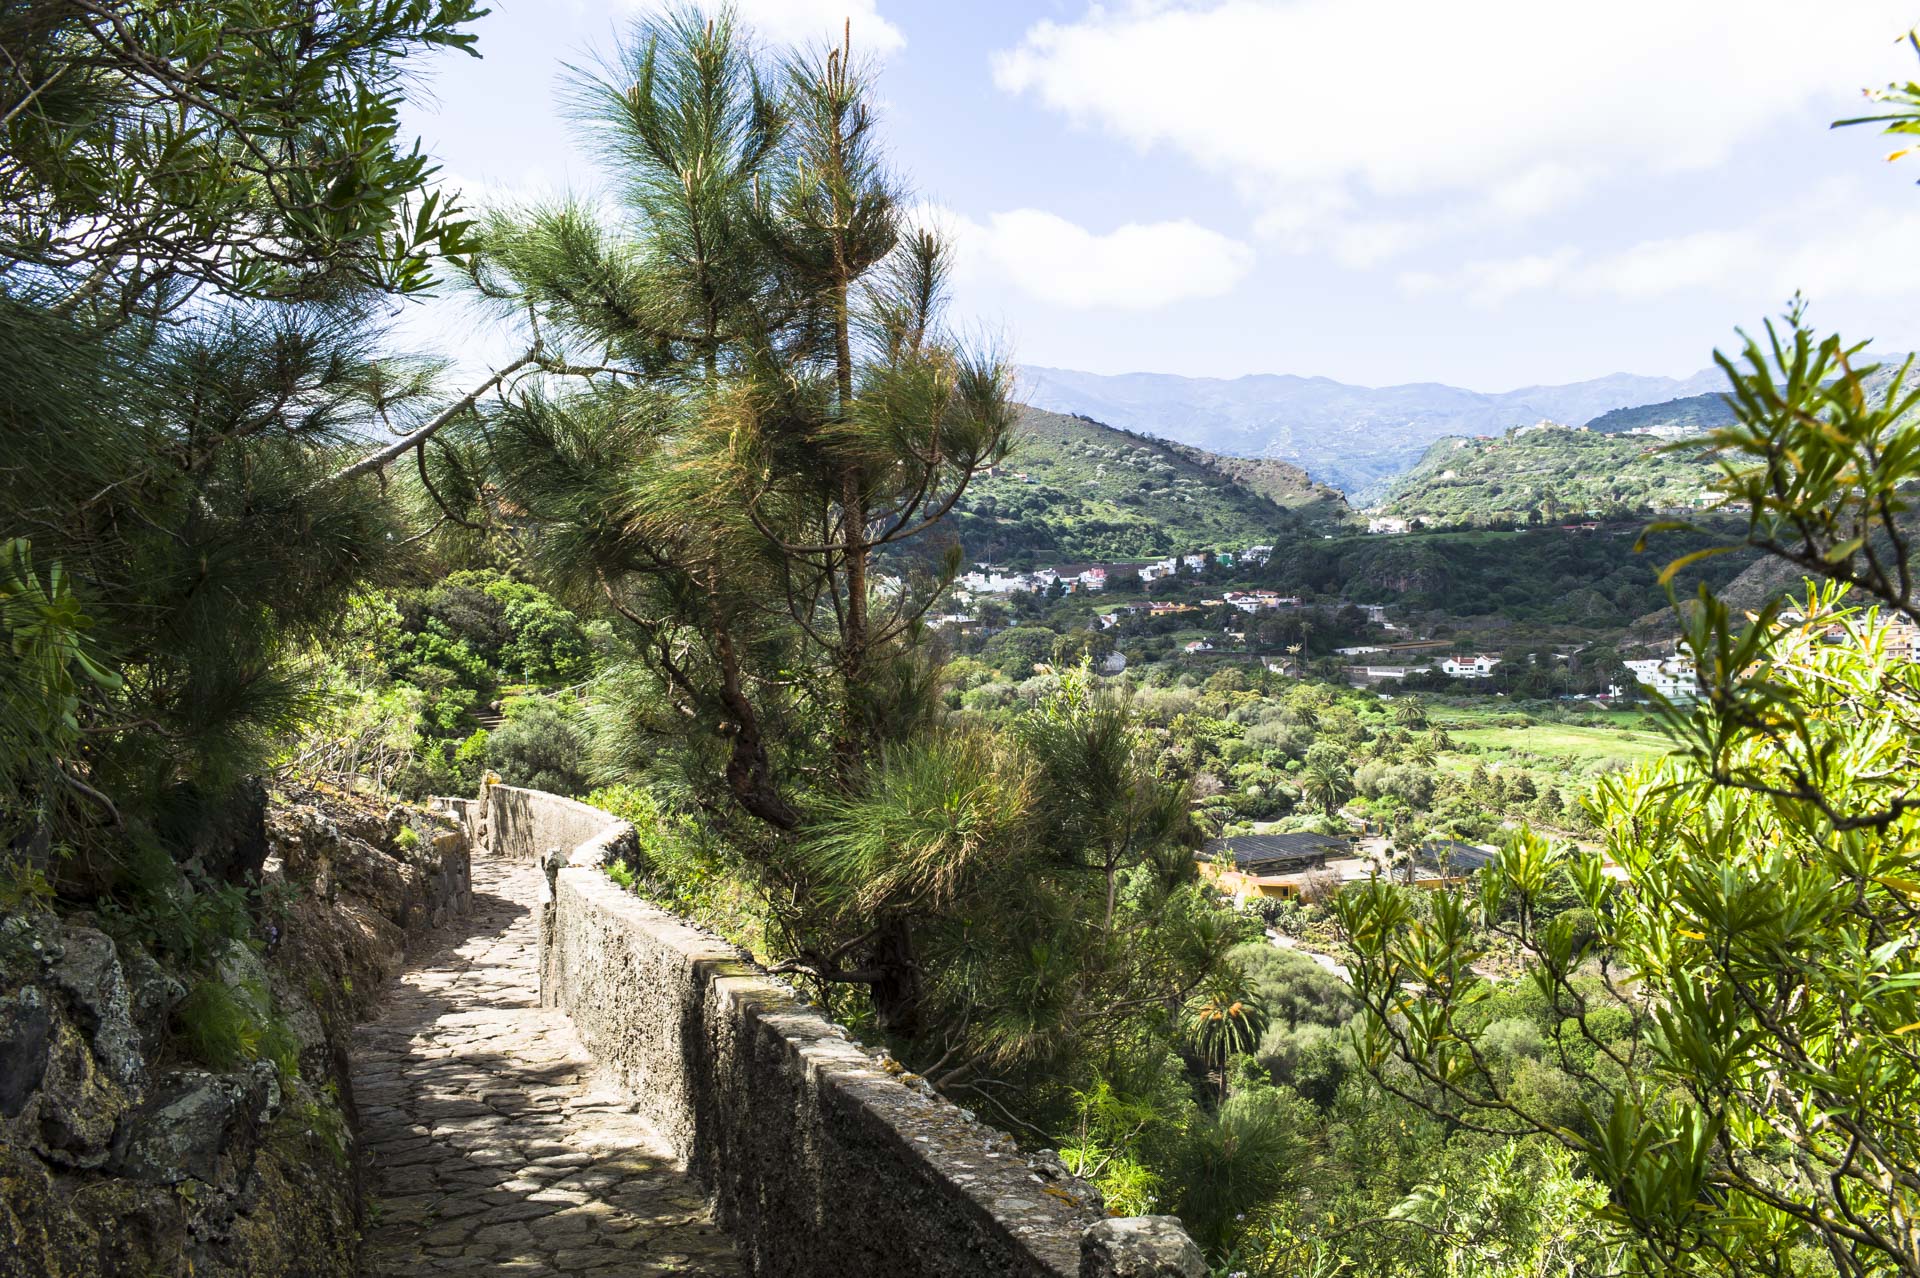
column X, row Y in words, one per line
column 1598, row 739
column 1549, row 742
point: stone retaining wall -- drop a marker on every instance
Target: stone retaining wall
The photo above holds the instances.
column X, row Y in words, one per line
column 824, row 1160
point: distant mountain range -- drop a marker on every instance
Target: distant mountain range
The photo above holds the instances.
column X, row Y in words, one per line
column 1355, row 438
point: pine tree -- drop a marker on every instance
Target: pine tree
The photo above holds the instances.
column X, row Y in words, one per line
column 761, row 401
column 195, row 224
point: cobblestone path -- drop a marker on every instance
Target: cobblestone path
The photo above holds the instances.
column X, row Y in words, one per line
column 491, row 1149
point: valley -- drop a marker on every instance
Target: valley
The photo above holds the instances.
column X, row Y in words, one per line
column 591, row 720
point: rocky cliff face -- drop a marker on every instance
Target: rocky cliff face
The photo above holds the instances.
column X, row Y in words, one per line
column 120, row 1152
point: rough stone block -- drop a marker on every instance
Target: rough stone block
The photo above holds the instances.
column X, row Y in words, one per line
column 1140, row 1247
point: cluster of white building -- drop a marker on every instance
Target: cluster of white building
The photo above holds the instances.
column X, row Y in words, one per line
column 994, row 581
column 985, row 579
column 1256, row 600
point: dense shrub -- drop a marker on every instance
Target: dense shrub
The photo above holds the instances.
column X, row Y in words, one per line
column 542, row 745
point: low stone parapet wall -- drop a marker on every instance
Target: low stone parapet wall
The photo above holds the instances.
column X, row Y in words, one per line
column 823, row 1160
column 524, row 824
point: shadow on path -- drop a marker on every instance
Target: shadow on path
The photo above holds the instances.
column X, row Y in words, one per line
column 490, row 1148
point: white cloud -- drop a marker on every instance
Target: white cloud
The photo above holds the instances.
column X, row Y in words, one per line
column 1498, row 109
column 1138, row 266
column 1540, row 189
column 1491, row 281
column 1835, row 244
column 809, row 22
column 1681, row 263
column 1361, row 244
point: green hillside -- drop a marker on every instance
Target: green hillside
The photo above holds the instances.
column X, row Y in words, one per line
column 1076, row 489
column 1281, row 482
column 1594, row 580
column 1696, row 414
column 1547, row 474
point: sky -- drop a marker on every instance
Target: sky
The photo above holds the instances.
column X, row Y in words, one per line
column 1488, row 193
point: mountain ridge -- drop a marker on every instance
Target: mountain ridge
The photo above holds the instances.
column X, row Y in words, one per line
column 1354, row 438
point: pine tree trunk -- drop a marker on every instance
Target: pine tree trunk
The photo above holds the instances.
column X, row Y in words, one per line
column 853, row 502
column 896, row 988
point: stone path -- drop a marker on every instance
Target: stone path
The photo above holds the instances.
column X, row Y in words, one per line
column 491, row 1149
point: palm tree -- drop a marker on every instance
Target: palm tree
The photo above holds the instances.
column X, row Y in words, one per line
column 1410, row 712
column 1326, row 785
column 1224, row 1020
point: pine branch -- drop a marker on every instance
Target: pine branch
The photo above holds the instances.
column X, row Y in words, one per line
column 376, row 460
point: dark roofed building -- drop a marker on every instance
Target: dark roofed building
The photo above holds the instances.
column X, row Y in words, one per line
column 1273, row 853
column 1459, row 858
column 1279, row 865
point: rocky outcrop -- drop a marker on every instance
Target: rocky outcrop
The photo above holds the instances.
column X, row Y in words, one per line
column 120, row 1152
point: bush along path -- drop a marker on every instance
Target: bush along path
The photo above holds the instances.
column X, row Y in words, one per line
column 491, row 1149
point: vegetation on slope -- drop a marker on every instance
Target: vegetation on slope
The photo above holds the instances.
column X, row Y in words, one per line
column 1280, row 482
column 1693, row 413
column 1593, row 579
column 1357, row 438
column 1075, row 489
column 1764, row 895
column 1547, row 474
column 204, row 204
column 990, row 867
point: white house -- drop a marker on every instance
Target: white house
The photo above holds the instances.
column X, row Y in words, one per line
column 1093, row 579
column 1361, row 650
column 995, row 582
column 1672, row 677
column 1474, row 667
column 1199, row 645
column 1155, row 571
column 1386, row 524
column 1256, row 554
column 1376, row 674
column 1195, row 562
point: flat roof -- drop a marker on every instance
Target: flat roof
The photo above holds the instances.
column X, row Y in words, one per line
column 1457, row 855
column 1276, row 853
